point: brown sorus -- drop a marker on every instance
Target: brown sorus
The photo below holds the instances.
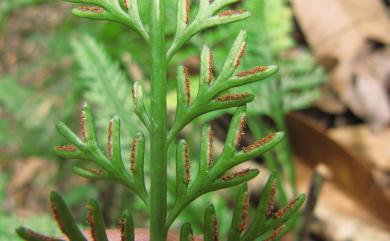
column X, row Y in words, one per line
column 187, row 13
column 259, row 143
column 215, row 229
column 211, row 64
column 275, row 233
column 241, row 52
column 187, row 177
column 68, row 148
column 109, row 141
column 245, row 213
column 57, row 217
column 211, row 147
column 271, row 202
column 187, row 85
column 241, row 173
column 91, row 223
column 97, row 171
column 241, row 130
column 231, row 12
column 133, row 151
column 283, row 211
column 93, row 9
column 83, row 132
column 252, row 71
column 230, row 97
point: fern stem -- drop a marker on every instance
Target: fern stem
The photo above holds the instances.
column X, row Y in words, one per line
column 158, row 129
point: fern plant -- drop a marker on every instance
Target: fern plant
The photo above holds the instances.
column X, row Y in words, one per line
column 213, row 172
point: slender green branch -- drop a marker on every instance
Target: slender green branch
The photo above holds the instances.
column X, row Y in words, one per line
column 158, row 118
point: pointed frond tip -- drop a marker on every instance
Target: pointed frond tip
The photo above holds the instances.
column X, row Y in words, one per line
column 95, row 221
column 126, row 227
column 186, row 233
column 64, row 218
column 211, row 230
column 240, row 214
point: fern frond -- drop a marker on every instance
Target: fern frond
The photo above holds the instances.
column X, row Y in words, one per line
column 107, row 88
column 33, row 119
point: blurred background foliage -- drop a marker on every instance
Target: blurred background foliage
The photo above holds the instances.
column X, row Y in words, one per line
column 52, row 62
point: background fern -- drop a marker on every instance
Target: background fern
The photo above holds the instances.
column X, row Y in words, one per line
column 27, row 110
column 107, row 88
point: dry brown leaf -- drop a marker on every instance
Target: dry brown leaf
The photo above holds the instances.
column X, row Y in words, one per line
column 352, row 175
column 340, row 217
column 341, row 33
column 371, row 147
